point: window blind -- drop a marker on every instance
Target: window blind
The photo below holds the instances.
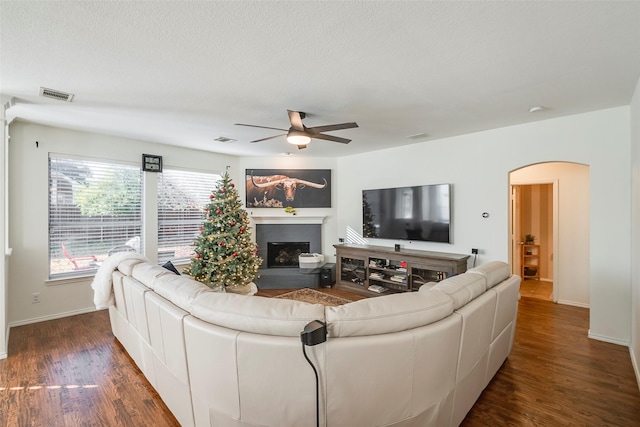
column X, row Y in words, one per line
column 95, row 209
column 182, row 197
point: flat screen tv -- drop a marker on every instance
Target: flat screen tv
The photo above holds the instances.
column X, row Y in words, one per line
column 408, row 213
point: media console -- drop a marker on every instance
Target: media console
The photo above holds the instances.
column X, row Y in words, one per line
column 374, row 270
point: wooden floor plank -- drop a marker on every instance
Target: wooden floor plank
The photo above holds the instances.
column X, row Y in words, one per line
column 73, row 372
column 555, row 375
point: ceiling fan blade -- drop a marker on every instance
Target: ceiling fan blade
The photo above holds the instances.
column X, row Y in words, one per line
column 300, row 147
column 330, row 138
column 271, row 137
column 329, row 128
column 261, row 127
column 295, row 117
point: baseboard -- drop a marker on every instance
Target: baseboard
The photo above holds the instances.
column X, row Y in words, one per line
column 575, row 304
column 607, row 339
column 6, row 345
column 51, row 317
column 636, row 368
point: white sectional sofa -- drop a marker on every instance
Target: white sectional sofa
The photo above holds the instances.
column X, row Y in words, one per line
column 410, row 359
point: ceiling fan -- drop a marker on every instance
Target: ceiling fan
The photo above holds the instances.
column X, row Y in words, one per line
column 300, row 135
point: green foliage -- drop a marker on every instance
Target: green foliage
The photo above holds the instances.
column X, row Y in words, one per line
column 225, row 254
column 111, row 195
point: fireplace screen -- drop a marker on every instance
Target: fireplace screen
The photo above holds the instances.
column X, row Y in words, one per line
column 285, row 254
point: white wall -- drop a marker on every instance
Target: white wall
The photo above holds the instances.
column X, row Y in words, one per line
column 4, row 323
column 478, row 166
column 329, row 228
column 28, row 200
column 635, row 226
column 572, row 274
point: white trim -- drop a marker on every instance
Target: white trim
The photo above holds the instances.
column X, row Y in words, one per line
column 636, row 368
column 607, row 339
column 72, row 279
column 572, row 303
column 52, row 317
column 289, row 219
column 6, row 346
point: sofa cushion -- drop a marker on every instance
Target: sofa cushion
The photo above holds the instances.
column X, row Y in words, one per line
column 462, row 288
column 388, row 313
column 126, row 266
column 147, row 273
column 180, row 290
column 260, row 315
column 494, row 272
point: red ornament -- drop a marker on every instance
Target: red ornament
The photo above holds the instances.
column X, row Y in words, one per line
column 235, row 254
column 221, row 243
column 232, row 185
column 198, row 256
column 224, row 190
column 218, row 211
column 212, row 196
column 242, row 229
column 232, row 223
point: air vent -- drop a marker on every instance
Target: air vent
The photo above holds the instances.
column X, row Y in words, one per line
column 56, row 94
column 224, row 139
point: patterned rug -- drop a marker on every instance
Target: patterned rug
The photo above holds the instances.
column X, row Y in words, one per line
column 314, row 297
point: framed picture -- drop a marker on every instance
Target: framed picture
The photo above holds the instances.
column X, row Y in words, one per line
column 279, row 188
column 151, row 163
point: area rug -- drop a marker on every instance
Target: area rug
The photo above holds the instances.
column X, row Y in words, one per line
column 314, row 297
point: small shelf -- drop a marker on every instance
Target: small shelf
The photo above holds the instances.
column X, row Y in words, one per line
column 530, row 262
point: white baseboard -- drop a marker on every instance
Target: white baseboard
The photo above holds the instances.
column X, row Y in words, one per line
column 575, row 304
column 6, row 345
column 607, row 339
column 51, row 317
column 636, row 368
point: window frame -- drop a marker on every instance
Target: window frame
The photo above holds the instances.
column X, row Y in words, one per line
column 205, row 191
column 86, row 266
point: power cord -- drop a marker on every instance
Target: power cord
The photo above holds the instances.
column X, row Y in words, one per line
column 314, row 333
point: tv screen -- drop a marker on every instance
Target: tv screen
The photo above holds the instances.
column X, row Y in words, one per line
column 408, row 213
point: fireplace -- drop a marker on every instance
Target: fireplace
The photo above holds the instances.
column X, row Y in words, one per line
column 291, row 235
column 285, row 254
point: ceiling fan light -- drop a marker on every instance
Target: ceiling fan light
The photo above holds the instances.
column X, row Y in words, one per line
column 298, row 138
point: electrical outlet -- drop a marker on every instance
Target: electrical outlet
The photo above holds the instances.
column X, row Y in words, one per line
column 474, row 251
column 35, row 297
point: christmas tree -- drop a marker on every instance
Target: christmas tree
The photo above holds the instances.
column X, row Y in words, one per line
column 225, row 255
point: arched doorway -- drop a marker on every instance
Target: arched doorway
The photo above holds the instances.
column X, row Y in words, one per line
column 551, row 201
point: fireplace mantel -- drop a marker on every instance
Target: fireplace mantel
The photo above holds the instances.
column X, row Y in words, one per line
column 288, row 219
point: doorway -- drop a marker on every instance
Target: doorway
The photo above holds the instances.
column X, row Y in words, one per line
column 533, row 225
column 551, row 202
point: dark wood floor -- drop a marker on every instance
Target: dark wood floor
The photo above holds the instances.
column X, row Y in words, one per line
column 72, row 372
column 556, row 376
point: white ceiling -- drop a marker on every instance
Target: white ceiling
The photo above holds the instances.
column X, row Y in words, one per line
column 183, row 73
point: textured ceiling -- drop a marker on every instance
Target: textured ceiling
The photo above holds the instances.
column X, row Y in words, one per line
column 183, row 73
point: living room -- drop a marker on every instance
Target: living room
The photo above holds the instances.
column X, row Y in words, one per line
column 476, row 163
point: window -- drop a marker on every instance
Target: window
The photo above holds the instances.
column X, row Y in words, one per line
column 404, row 203
column 182, row 197
column 95, row 209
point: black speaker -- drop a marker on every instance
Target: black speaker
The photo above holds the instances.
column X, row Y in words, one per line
column 327, row 276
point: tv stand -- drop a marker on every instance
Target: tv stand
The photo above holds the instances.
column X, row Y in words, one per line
column 369, row 270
